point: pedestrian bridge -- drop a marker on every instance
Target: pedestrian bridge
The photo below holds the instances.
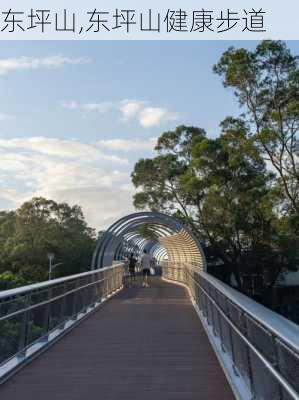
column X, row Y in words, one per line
column 188, row 336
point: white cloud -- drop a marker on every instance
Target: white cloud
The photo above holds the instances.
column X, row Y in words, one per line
column 26, row 63
column 101, row 108
column 5, row 117
column 130, row 108
column 40, row 171
column 98, row 107
column 102, row 206
column 70, row 171
column 147, row 116
column 126, row 145
column 153, row 116
column 70, row 149
column 12, row 195
column 70, row 105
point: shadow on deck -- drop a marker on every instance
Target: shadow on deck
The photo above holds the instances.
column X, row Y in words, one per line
column 144, row 343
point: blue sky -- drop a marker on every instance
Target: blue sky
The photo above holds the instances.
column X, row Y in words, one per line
column 75, row 116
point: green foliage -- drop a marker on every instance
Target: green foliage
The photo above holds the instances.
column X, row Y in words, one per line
column 148, row 233
column 38, row 227
column 161, row 180
column 238, row 192
column 8, row 280
column 266, row 83
column 9, row 337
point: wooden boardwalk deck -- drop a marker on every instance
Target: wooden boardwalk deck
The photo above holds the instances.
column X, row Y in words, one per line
column 145, row 343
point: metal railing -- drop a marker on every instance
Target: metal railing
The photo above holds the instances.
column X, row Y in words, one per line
column 261, row 346
column 32, row 316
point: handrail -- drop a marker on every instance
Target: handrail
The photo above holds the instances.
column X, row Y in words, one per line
column 276, row 323
column 263, row 346
column 268, row 365
column 34, row 316
column 51, row 300
column 45, row 284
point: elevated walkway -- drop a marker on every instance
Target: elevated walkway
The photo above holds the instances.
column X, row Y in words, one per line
column 144, row 343
column 85, row 336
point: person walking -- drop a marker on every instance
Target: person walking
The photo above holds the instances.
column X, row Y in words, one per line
column 126, row 271
column 132, row 272
column 145, row 267
column 153, row 266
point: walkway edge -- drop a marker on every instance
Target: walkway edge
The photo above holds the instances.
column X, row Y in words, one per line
column 236, row 383
column 12, row 366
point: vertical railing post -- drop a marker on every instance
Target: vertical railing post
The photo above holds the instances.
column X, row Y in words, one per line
column 75, row 302
column 24, row 328
column 63, row 307
column 46, row 317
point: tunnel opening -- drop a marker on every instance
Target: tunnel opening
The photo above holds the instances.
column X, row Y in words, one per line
column 161, row 235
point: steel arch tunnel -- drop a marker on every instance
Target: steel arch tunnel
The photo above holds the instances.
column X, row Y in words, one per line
column 169, row 240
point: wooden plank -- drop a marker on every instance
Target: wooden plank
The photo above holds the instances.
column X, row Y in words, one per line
column 145, row 343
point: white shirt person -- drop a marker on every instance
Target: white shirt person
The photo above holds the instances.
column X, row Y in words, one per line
column 145, row 263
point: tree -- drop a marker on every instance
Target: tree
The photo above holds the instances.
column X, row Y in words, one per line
column 38, row 227
column 236, row 211
column 239, row 193
column 266, row 83
column 9, row 281
column 219, row 187
column 159, row 180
